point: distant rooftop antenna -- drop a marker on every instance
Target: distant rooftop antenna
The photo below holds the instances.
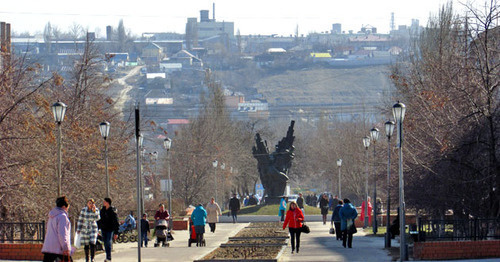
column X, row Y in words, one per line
column 213, row 11
column 393, row 27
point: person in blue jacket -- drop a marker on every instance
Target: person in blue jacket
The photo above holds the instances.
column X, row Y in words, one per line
column 199, row 218
column 348, row 214
column 282, row 208
column 336, row 219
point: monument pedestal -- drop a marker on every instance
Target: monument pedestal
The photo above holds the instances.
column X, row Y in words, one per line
column 272, row 200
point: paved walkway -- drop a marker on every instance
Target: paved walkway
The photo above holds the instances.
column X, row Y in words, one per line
column 178, row 250
column 319, row 245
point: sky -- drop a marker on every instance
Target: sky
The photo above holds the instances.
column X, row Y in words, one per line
column 263, row 17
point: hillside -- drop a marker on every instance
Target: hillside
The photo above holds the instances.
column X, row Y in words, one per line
column 324, row 85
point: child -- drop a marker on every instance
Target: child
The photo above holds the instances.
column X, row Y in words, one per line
column 144, row 229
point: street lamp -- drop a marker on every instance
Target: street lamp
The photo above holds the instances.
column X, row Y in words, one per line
column 140, row 140
column 167, row 144
column 366, row 143
column 214, row 164
column 389, row 130
column 339, row 164
column 223, row 167
column 59, row 110
column 398, row 110
column 374, row 137
column 104, row 128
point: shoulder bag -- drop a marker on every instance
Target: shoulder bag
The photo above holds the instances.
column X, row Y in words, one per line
column 305, row 228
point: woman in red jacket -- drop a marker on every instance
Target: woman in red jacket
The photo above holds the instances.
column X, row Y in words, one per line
column 293, row 219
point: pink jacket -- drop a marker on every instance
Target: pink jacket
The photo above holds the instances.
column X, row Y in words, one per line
column 58, row 236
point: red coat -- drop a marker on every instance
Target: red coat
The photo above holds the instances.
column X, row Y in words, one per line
column 362, row 216
column 294, row 217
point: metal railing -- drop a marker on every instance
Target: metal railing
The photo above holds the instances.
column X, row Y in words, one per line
column 20, row 232
column 458, row 230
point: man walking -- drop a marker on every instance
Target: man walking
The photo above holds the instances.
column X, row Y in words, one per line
column 109, row 226
column 234, row 206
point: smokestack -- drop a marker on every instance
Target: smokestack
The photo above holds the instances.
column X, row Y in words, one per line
column 109, row 32
column 2, row 36
column 213, row 12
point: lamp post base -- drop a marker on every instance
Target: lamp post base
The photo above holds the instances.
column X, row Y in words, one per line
column 387, row 239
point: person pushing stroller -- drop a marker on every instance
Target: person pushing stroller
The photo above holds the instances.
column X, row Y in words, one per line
column 199, row 218
column 161, row 225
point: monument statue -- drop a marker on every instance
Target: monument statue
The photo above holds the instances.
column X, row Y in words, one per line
column 273, row 168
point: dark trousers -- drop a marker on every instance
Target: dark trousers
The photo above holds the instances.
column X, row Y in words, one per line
column 295, row 237
column 348, row 237
column 337, row 230
column 107, row 238
column 90, row 248
column 282, row 214
column 144, row 238
column 49, row 257
column 212, row 227
column 235, row 217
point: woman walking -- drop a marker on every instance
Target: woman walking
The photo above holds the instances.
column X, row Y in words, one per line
column 324, row 205
column 348, row 214
column 336, row 219
column 87, row 228
column 213, row 213
column 293, row 219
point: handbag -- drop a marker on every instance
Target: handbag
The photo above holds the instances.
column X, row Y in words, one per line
column 332, row 230
column 352, row 229
column 305, row 229
column 78, row 240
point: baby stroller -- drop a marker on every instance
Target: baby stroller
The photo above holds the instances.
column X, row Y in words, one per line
column 126, row 230
column 162, row 233
column 192, row 235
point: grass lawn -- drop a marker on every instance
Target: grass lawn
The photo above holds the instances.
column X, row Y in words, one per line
column 380, row 231
column 272, row 210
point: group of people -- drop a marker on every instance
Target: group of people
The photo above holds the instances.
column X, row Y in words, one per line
column 57, row 244
column 343, row 217
column 201, row 216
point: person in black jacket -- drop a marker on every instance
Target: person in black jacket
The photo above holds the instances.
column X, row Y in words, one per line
column 300, row 203
column 234, row 206
column 323, row 204
column 144, row 229
column 336, row 219
column 109, row 226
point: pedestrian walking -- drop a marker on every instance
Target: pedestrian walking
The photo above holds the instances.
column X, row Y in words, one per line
column 336, row 219
column 57, row 244
column 294, row 219
column 348, row 214
column 199, row 218
column 234, row 206
column 109, row 226
column 323, row 204
column 213, row 213
column 162, row 213
column 144, row 229
column 370, row 207
column 282, row 208
column 300, row 204
column 87, row 228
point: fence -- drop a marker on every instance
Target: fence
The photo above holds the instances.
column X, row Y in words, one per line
column 21, row 232
column 458, row 230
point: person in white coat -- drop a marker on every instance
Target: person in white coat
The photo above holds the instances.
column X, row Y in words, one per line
column 213, row 213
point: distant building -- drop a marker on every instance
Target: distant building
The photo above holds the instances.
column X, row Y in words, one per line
column 152, row 53
column 206, row 28
column 336, row 29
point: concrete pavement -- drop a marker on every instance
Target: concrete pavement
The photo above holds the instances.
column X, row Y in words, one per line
column 319, row 245
column 178, row 250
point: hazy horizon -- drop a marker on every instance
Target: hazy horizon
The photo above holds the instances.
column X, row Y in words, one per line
column 255, row 17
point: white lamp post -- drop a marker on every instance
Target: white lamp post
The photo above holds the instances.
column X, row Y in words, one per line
column 374, row 133
column 339, row 164
column 140, row 140
column 366, row 143
column 398, row 110
column 104, row 128
column 214, row 164
column 167, row 144
column 59, row 110
column 389, row 130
